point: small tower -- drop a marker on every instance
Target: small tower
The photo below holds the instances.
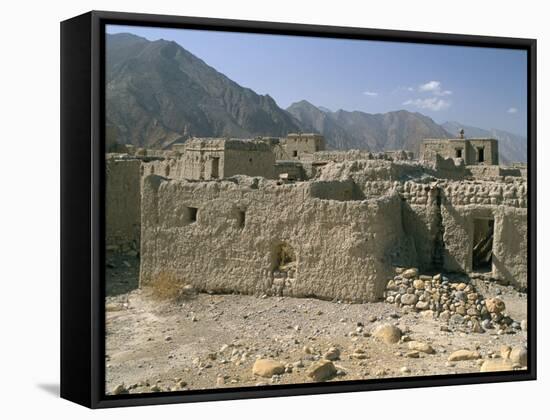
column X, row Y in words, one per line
column 461, row 133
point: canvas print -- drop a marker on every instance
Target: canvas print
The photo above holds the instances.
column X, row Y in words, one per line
column 295, row 210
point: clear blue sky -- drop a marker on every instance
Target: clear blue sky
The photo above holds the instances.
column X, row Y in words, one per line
column 482, row 87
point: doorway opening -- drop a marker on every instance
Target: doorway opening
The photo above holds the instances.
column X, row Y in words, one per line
column 482, row 251
column 215, row 167
column 481, row 155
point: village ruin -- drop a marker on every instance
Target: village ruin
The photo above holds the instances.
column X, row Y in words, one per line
column 285, row 217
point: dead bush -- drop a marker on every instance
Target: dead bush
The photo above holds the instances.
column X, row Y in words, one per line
column 166, row 286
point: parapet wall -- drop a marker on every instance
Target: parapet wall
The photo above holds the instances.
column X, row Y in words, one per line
column 343, row 249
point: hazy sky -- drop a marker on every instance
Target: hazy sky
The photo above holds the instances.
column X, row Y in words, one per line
column 482, row 87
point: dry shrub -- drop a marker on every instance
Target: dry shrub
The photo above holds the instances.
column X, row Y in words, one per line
column 166, row 286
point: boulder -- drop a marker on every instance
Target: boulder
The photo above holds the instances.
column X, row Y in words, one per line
column 387, row 333
column 409, row 299
column 464, row 355
column 267, row 368
column 322, row 370
column 120, row 389
column 421, row 347
column 518, row 356
column 495, row 305
column 496, row 365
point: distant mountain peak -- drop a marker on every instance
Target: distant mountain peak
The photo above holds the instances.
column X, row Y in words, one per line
column 324, row 109
column 159, row 93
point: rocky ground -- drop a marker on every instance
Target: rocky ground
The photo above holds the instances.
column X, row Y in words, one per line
column 206, row 341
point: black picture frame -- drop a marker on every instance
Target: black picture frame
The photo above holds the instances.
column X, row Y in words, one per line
column 83, row 197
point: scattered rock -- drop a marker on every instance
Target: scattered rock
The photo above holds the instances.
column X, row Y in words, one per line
column 298, row 364
column 267, row 368
column 518, row 355
column 405, row 370
column 410, row 273
column 120, row 389
column 322, row 370
column 333, row 353
column 308, row 350
column 464, row 355
column 359, row 354
column 428, row 314
column 495, row 305
column 496, row 365
column 422, row 305
column 456, row 319
column 476, row 327
column 409, row 299
column 421, row 347
column 388, row 333
column 505, row 352
column 487, row 324
column 418, row 284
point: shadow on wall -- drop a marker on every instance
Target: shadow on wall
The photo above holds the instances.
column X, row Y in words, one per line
column 453, row 222
column 501, row 269
column 336, row 190
column 421, row 236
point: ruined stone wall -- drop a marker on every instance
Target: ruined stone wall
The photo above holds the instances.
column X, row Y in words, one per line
column 344, row 249
column 122, row 205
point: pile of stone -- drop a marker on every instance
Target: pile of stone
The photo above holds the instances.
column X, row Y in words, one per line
column 457, row 303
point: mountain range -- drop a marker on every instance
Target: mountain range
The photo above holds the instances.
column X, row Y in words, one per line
column 158, row 93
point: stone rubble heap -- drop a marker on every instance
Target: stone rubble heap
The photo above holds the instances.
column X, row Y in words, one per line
column 458, row 304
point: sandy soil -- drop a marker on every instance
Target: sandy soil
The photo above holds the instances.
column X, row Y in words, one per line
column 209, row 341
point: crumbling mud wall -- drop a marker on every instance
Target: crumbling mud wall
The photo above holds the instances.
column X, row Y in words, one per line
column 252, row 158
column 466, row 149
column 347, row 227
column 122, row 205
column 228, row 236
column 505, row 204
column 299, row 145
